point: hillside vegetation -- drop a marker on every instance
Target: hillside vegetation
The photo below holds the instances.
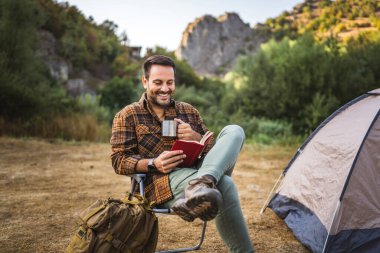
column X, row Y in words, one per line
column 33, row 102
column 322, row 54
column 342, row 18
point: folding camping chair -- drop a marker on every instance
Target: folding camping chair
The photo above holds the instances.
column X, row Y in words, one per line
column 139, row 179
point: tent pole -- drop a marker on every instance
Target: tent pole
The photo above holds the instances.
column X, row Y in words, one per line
column 266, row 203
column 332, row 223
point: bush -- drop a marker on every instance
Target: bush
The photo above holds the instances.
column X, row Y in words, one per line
column 26, row 88
column 78, row 126
column 89, row 104
column 274, row 128
column 320, row 107
column 304, row 81
column 118, row 93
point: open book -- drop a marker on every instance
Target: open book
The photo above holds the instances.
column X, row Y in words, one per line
column 192, row 149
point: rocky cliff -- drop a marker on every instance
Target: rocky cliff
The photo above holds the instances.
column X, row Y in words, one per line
column 76, row 83
column 211, row 45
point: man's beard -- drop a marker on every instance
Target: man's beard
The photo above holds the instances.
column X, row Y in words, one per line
column 155, row 99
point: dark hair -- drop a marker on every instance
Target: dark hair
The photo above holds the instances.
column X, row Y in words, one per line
column 158, row 60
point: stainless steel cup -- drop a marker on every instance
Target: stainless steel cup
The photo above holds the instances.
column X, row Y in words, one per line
column 169, row 128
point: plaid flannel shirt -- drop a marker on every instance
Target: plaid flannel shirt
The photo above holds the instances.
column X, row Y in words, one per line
column 136, row 134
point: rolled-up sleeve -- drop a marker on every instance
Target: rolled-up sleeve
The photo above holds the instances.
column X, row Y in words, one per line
column 124, row 146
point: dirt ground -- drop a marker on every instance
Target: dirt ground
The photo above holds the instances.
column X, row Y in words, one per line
column 43, row 184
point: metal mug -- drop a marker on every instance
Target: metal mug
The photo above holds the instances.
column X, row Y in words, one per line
column 169, row 128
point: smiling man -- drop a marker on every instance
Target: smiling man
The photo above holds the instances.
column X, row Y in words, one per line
column 159, row 84
column 205, row 191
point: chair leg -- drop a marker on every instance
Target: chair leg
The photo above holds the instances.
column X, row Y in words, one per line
column 196, row 247
column 139, row 179
column 133, row 185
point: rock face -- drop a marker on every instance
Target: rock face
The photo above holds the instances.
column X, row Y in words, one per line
column 211, row 45
column 58, row 67
column 76, row 84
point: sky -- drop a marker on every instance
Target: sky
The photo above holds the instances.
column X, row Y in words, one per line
column 149, row 23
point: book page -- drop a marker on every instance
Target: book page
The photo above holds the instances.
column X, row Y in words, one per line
column 205, row 137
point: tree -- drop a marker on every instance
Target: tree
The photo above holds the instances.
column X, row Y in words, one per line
column 282, row 78
column 118, row 93
column 124, row 38
column 25, row 87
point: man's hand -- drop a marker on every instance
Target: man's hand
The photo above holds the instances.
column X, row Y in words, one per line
column 168, row 160
column 185, row 132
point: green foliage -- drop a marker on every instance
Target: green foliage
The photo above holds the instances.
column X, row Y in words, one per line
column 274, row 86
column 324, row 3
column 90, row 104
column 206, row 100
column 76, row 126
column 319, row 108
column 25, row 86
column 357, row 70
column 118, row 93
column 325, row 17
column 266, row 131
column 191, row 96
column 82, row 42
column 32, row 102
column 54, row 21
column 274, row 128
column 303, row 81
column 124, row 67
column 288, row 87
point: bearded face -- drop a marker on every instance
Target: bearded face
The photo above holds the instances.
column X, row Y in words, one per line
column 160, row 86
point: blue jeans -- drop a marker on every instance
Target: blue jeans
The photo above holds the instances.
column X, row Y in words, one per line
column 219, row 163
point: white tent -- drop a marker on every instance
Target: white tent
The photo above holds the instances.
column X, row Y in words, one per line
column 330, row 193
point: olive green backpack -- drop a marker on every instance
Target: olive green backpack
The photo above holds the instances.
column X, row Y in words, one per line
column 114, row 225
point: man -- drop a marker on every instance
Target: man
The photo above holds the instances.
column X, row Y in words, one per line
column 205, row 191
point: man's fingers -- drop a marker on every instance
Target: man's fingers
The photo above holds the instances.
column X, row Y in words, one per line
column 174, row 159
column 173, row 165
column 184, row 131
column 169, row 159
column 178, row 162
column 184, row 126
column 179, row 121
column 170, row 154
column 168, row 165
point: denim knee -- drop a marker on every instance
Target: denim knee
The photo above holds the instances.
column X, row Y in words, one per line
column 237, row 132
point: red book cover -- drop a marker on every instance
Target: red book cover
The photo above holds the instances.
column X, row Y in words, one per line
column 192, row 149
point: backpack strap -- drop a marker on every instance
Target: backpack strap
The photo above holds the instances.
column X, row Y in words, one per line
column 136, row 199
column 85, row 231
column 93, row 212
column 118, row 244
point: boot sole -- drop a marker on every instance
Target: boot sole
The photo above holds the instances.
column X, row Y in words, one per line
column 205, row 207
column 183, row 212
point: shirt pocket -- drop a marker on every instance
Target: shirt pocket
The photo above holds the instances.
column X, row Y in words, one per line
column 149, row 140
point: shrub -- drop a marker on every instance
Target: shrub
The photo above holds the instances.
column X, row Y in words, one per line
column 78, row 126
column 117, row 93
column 90, row 104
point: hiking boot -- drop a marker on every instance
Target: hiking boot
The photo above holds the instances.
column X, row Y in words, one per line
column 202, row 200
